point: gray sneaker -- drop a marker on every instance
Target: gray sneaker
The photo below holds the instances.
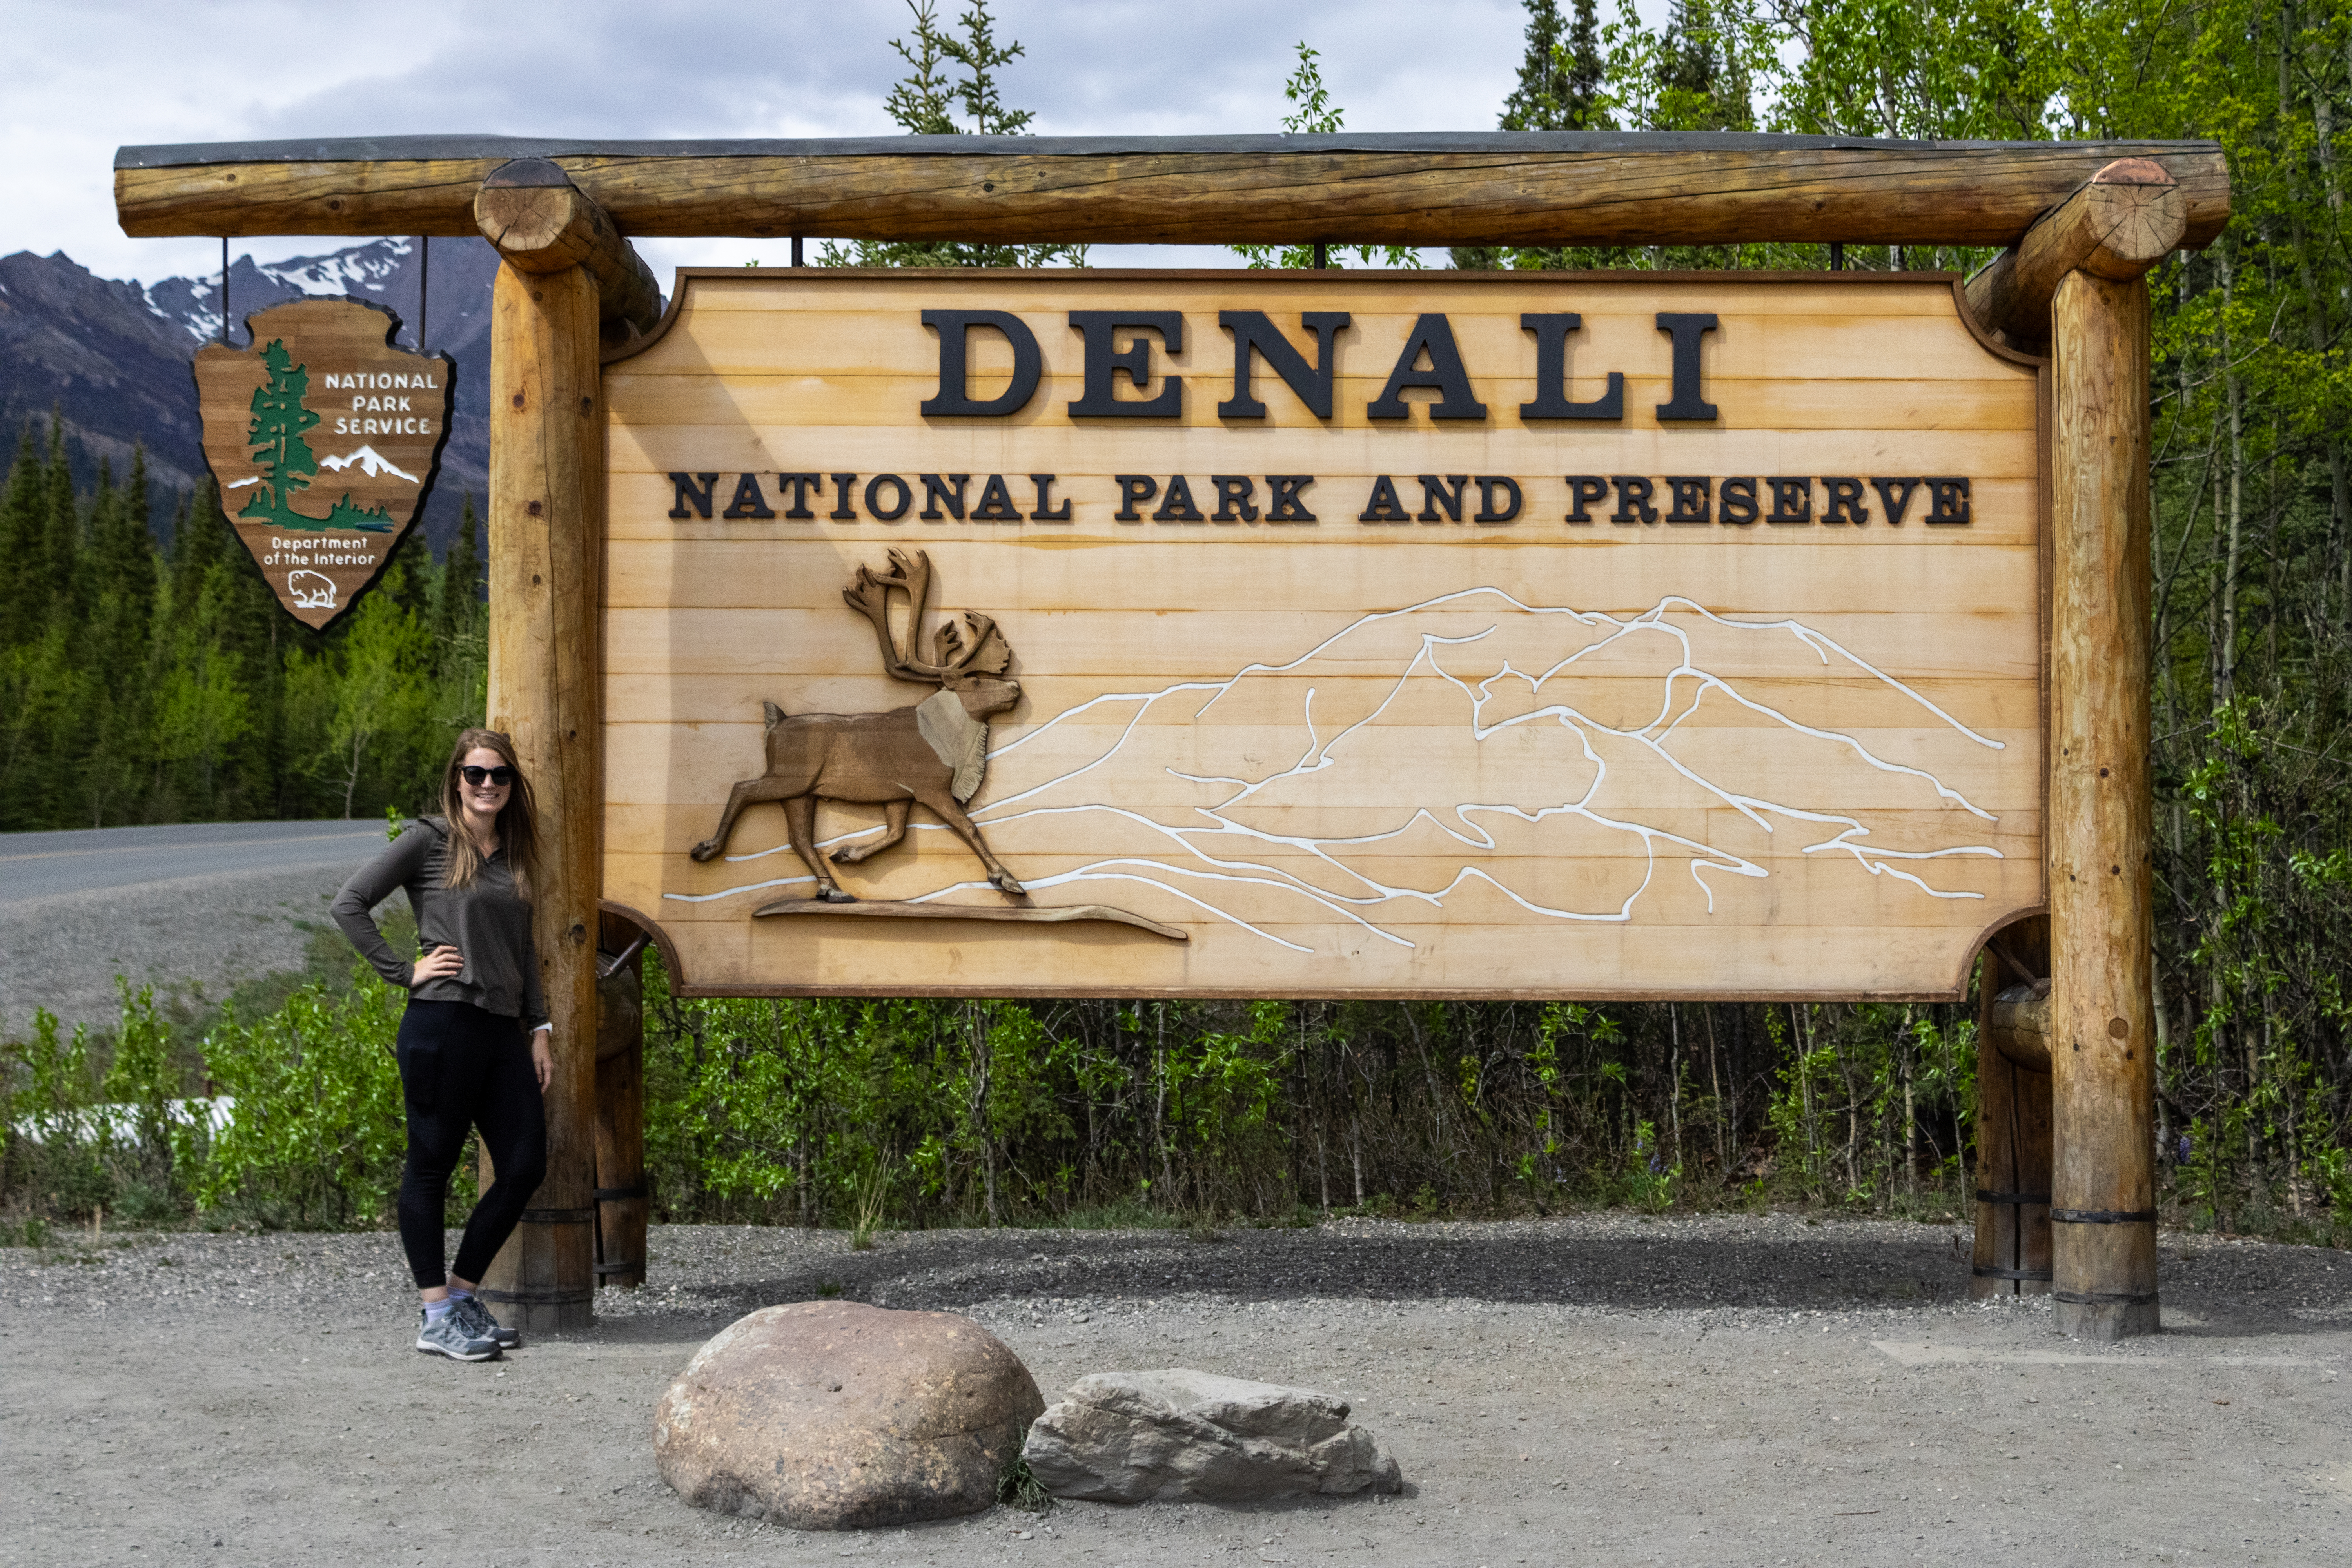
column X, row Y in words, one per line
column 478, row 1322
column 445, row 1335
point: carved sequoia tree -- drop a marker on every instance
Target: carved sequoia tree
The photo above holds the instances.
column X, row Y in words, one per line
column 284, row 460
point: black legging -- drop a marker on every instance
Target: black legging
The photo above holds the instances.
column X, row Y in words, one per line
column 462, row 1067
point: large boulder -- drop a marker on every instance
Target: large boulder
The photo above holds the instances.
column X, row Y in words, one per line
column 837, row 1416
column 1130, row 1436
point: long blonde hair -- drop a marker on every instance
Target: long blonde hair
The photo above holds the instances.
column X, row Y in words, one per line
column 517, row 824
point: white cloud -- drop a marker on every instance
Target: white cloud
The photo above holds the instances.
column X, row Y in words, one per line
column 87, row 75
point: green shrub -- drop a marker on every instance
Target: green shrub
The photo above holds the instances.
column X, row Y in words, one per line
column 316, row 1136
column 82, row 1138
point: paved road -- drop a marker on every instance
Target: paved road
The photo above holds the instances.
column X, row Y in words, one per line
column 39, row 864
column 191, row 910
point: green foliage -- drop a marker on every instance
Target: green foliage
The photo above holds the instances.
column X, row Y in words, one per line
column 869, row 1115
column 138, row 685
column 317, row 1138
column 924, row 103
column 1317, row 114
column 1017, row 1488
column 1561, row 80
column 189, row 1114
column 97, row 1126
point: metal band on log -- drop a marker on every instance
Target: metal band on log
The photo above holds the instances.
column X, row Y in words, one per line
column 1496, row 188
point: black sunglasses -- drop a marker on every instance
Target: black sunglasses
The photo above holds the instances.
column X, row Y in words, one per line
column 501, row 774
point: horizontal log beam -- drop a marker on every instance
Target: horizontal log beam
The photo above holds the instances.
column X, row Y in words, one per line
column 1499, row 188
column 2018, row 1027
column 541, row 222
column 2127, row 218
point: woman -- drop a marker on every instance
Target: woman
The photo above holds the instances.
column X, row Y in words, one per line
column 473, row 1047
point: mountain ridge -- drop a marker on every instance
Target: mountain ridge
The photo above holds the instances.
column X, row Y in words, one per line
column 110, row 358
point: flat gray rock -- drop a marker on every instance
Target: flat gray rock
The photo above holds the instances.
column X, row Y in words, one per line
column 838, row 1416
column 1176, row 1435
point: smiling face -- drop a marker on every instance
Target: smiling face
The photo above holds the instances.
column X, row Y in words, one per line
column 483, row 800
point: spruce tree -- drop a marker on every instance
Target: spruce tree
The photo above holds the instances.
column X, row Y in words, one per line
column 24, row 546
column 135, row 549
column 1560, row 87
column 408, row 575
column 61, row 526
column 115, row 655
column 923, row 103
column 1559, row 81
column 459, row 594
column 1701, row 85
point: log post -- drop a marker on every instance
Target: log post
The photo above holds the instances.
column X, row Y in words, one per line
column 621, row 1197
column 2013, row 1108
column 2100, row 1027
column 546, row 552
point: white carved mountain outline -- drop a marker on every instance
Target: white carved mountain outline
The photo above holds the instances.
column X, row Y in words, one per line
column 1576, row 724
column 370, row 462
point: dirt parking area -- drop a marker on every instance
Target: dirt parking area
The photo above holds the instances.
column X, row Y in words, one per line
column 1600, row 1389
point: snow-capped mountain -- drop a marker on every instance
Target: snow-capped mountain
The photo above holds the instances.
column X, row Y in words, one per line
column 112, row 358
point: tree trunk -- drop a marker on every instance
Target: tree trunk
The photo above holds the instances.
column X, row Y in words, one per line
column 545, row 690
column 2100, row 1036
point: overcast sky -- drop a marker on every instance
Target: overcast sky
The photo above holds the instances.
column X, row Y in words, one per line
column 87, row 76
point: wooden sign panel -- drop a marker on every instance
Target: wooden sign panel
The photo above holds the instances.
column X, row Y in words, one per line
column 324, row 439
column 1324, row 634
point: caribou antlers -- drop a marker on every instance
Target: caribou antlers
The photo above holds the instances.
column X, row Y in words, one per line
column 870, row 595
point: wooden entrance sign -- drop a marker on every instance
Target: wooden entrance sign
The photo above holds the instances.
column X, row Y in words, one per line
column 1934, row 718
column 323, row 437
column 1384, row 635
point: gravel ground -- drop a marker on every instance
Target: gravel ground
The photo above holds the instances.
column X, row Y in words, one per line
column 200, row 935
column 1602, row 1389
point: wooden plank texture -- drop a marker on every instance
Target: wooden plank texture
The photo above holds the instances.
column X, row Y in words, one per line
column 1556, row 189
column 1347, row 758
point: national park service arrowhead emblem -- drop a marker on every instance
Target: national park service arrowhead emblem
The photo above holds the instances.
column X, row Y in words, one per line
column 323, row 438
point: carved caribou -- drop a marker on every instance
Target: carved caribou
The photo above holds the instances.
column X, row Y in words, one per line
column 932, row 753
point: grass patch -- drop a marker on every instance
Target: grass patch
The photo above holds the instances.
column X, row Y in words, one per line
column 1017, row 1488
column 1120, row 1213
